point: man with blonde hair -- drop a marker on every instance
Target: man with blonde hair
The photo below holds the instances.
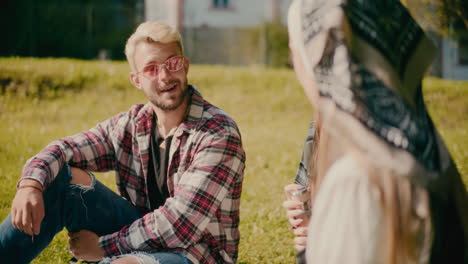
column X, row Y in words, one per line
column 179, row 167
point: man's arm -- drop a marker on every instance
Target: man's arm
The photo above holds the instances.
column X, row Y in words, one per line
column 88, row 150
column 217, row 167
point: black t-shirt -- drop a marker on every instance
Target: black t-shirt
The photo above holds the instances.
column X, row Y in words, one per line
column 157, row 169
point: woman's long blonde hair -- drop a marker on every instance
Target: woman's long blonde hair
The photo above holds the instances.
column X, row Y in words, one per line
column 397, row 196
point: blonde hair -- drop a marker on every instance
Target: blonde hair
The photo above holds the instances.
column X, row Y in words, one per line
column 397, row 195
column 151, row 32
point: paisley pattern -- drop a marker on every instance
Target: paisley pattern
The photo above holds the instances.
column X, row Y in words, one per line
column 395, row 35
column 383, row 111
column 355, row 89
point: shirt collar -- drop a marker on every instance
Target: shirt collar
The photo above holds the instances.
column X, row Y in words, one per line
column 195, row 108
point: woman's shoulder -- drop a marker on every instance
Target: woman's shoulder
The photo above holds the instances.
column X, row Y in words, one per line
column 346, row 217
column 347, row 183
column 348, row 178
column 346, row 169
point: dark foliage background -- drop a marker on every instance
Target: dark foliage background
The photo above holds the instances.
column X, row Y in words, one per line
column 67, row 28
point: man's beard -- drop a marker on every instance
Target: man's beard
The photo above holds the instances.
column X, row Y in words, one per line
column 158, row 102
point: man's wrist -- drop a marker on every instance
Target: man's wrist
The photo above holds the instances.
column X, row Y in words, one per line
column 29, row 183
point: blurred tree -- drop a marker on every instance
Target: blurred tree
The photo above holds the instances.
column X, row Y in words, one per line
column 66, row 28
column 446, row 17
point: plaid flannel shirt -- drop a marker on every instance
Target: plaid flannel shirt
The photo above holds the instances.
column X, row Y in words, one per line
column 302, row 175
column 201, row 217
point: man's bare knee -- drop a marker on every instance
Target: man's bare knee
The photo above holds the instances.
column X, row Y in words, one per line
column 80, row 176
column 126, row 260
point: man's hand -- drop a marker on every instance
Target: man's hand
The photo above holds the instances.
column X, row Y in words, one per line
column 27, row 210
column 84, row 245
column 298, row 219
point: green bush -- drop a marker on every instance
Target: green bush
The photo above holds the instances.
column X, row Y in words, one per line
column 271, row 41
column 277, row 44
column 48, row 78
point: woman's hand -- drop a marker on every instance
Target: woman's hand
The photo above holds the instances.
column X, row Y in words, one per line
column 298, row 218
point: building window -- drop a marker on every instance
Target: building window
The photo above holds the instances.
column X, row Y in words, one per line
column 463, row 50
column 220, row 3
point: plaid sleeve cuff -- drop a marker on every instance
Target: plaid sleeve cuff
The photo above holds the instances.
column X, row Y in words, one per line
column 109, row 243
column 37, row 174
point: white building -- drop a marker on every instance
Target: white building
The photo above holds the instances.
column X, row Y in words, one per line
column 220, row 31
column 453, row 59
column 216, row 13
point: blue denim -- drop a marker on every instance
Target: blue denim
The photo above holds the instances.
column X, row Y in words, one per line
column 73, row 206
column 153, row 258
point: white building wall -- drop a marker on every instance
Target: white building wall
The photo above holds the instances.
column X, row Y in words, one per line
column 451, row 69
column 284, row 7
column 220, row 35
column 201, row 13
column 164, row 10
column 240, row 14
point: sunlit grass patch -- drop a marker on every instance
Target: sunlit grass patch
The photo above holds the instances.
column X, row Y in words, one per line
column 268, row 105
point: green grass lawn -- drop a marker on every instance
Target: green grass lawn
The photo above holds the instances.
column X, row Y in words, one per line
column 268, row 105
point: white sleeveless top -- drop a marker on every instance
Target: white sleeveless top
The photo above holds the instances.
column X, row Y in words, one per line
column 347, row 223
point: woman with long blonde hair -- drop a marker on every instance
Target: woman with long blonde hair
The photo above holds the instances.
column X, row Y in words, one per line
column 384, row 186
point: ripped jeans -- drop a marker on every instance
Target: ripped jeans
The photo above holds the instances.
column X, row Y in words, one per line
column 75, row 207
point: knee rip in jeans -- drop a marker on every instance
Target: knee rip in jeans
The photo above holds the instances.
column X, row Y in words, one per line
column 140, row 257
column 82, row 179
column 82, row 182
